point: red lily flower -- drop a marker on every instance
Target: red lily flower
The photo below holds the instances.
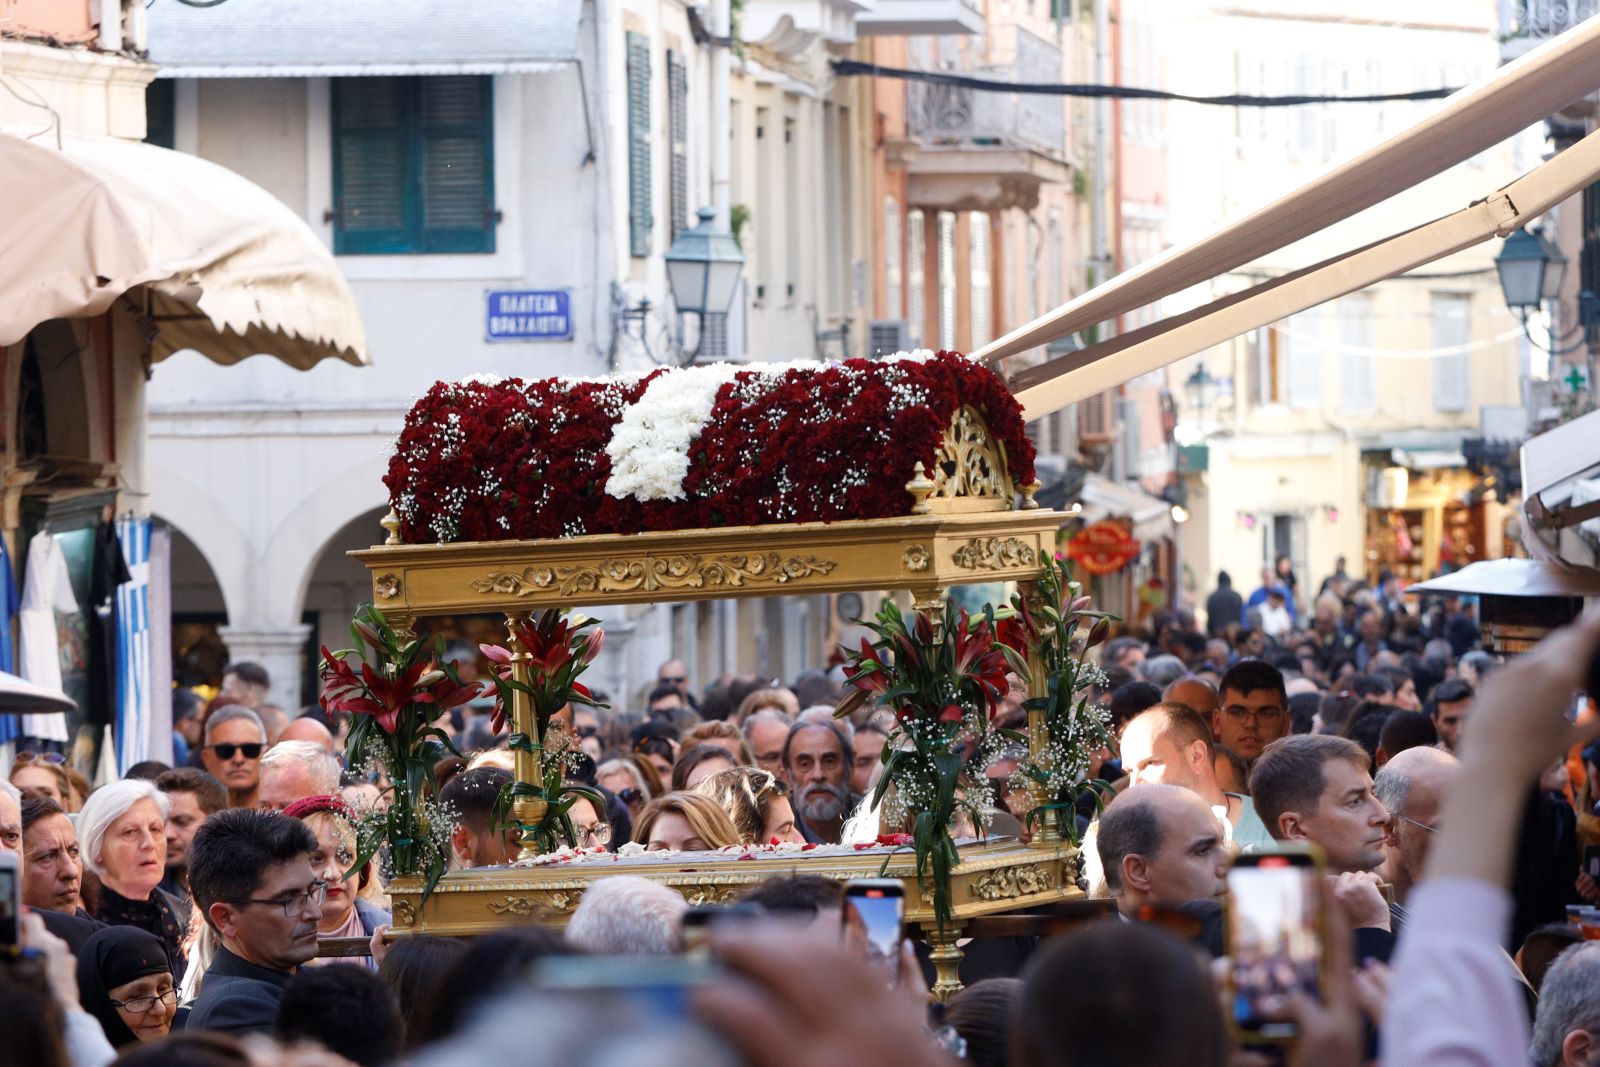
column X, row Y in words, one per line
column 951, row 713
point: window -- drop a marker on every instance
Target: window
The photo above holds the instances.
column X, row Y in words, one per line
column 413, row 168
column 1303, row 360
column 1452, row 331
column 160, row 111
column 1356, row 391
column 791, row 210
column 947, row 280
column 641, row 219
column 678, row 135
column 978, row 256
column 916, row 287
column 891, row 259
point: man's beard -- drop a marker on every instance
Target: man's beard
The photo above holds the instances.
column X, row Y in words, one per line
column 823, row 803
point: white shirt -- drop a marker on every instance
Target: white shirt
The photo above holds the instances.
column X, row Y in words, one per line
column 46, row 590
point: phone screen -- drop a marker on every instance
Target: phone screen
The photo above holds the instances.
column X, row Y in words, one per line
column 1275, row 936
column 10, row 902
column 872, row 919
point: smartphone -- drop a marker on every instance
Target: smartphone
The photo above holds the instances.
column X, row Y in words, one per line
column 10, row 903
column 1591, row 861
column 874, row 911
column 627, row 1004
column 1277, row 933
column 695, row 938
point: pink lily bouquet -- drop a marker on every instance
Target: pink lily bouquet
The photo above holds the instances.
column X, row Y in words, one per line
column 402, row 689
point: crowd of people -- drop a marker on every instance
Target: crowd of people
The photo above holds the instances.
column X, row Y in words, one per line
column 212, row 912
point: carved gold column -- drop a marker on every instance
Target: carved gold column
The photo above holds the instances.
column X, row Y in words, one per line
column 945, row 955
column 1047, row 829
column 527, row 811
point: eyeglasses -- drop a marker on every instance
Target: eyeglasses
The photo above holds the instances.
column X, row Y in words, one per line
column 1240, row 714
column 673, row 679
column 140, row 1005
column 588, row 731
column 294, row 904
column 598, row 834
column 54, row 759
column 1419, row 825
column 225, row 751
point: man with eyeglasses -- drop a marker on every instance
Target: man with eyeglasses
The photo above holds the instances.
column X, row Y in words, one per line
column 234, row 741
column 1253, row 708
column 1412, row 786
column 251, row 877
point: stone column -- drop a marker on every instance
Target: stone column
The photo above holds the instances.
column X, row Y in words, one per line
column 281, row 650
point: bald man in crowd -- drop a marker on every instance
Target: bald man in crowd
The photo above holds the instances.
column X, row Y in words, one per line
column 1170, row 744
column 307, row 729
column 1196, row 692
column 1160, row 845
column 1412, row 787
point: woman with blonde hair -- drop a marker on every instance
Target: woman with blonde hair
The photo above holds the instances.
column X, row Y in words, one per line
column 623, row 777
column 345, row 912
column 684, row 822
column 757, row 802
column 726, row 736
column 775, row 699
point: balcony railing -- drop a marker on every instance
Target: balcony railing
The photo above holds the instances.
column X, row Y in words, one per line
column 1525, row 23
column 950, row 114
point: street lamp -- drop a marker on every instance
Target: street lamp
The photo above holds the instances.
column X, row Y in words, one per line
column 1525, row 264
column 703, row 267
column 1201, row 389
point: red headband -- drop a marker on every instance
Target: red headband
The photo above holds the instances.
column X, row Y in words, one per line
column 312, row 805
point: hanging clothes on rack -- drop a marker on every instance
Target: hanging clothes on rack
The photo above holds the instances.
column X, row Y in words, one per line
column 46, row 590
column 10, row 601
column 108, row 571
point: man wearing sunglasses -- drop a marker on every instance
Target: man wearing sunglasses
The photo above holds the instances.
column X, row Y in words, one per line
column 251, row 877
column 234, row 741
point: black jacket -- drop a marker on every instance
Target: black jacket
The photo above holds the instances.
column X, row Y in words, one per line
column 237, row 997
column 1222, row 607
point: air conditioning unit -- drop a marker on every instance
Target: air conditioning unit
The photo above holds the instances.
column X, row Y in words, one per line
column 885, row 337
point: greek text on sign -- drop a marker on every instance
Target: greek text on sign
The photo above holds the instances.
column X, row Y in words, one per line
column 529, row 315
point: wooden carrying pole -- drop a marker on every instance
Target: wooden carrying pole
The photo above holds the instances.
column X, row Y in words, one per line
column 1516, row 96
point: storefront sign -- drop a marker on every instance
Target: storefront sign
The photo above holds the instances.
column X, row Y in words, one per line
column 528, row 315
column 1104, row 548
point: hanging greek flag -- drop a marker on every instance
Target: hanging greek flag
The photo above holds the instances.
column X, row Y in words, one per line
column 133, row 646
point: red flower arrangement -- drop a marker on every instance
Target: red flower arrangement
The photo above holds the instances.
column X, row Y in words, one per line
column 523, row 460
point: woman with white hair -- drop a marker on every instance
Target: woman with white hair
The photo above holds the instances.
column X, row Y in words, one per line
column 123, row 831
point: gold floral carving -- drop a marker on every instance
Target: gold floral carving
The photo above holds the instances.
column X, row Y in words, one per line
column 994, row 553
column 387, row 586
column 916, row 558
column 1008, row 882
column 552, row 900
column 403, row 912
column 970, row 462
column 701, row 895
column 654, row 573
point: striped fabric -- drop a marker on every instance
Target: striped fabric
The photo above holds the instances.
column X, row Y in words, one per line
column 133, row 646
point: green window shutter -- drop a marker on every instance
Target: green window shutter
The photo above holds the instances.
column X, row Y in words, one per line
column 678, row 134
column 413, row 165
column 457, row 167
column 371, row 209
column 640, row 218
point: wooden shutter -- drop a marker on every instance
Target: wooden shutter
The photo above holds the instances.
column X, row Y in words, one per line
column 891, row 259
column 678, row 134
column 640, row 218
column 978, row 262
column 916, row 283
column 947, row 280
column 1452, row 330
column 371, row 204
column 456, row 165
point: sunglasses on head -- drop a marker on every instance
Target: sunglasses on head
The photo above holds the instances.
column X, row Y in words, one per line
column 251, row 750
column 55, row 759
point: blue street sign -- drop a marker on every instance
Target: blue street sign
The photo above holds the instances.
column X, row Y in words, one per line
column 528, row 315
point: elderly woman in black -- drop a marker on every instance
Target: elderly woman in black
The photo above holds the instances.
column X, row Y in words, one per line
column 125, row 983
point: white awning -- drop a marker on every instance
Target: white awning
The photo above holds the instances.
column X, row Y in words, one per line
column 1104, row 499
column 349, row 38
column 1514, row 97
column 229, row 270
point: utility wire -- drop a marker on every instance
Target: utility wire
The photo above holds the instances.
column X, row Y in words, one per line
column 845, row 68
